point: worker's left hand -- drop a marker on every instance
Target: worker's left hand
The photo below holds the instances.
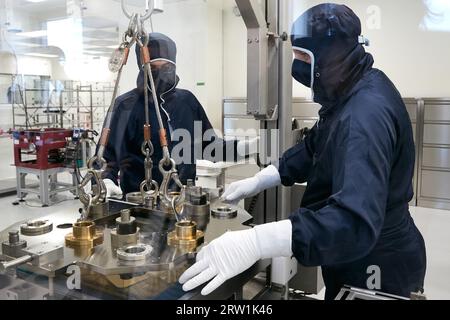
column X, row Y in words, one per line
column 235, row 252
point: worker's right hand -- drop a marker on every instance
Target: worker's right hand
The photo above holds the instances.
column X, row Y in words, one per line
column 266, row 179
column 113, row 191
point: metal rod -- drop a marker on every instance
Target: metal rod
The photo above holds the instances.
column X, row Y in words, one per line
column 4, row 265
column 51, row 289
column 61, row 111
column 285, row 98
column 155, row 97
column 147, row 111
column 91, row 100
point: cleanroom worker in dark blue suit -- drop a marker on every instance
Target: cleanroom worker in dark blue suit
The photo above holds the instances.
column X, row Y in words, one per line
column 180, row 110
column 358, row 163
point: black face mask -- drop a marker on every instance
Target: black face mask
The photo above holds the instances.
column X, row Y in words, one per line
column 301, row 71
column 165, row 78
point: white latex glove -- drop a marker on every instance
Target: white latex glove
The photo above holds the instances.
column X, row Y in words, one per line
column 265, row 179
column 112, row 189
column 248, row 147
column 235, row 252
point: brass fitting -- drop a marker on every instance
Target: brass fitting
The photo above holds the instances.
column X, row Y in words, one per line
column 84, row 235
column 186, row 236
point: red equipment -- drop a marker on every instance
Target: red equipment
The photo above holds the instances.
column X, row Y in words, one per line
column 42, row 148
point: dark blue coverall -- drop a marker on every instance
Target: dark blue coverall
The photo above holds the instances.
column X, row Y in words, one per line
column 179, row 109
column 358, row 162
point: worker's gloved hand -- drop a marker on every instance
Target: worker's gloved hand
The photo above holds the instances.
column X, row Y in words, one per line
column 248, row 147
column 235, row 252
column 265, row 179
column 113, row 191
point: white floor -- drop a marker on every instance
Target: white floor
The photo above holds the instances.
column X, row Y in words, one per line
column 434, row 225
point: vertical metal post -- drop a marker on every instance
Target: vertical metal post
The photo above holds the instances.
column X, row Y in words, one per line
column 285, row 9
column 25, row 107
column 419, row 152
column 51, row 289
column 13, row 100
column 78, row 107
column 269, row 129
column 92, row 107
column 61, row 109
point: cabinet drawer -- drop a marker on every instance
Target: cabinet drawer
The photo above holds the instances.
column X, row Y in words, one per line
column 436, row 157
column 437, row 113
column 436, row 134
column 435, row 184
column 235, row 108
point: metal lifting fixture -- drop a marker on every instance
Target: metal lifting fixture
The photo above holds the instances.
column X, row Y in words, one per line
column 135, row 34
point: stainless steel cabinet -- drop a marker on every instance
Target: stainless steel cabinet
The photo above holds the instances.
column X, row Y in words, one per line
column 433, row 188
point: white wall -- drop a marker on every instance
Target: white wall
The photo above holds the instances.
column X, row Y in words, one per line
column 196, row 28
column 214, row 73
column 25, row 65
column 235, row 53
column 415, row 60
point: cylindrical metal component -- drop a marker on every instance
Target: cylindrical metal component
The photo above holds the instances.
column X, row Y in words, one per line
column 4, row 265
column 98, row 211
column 200, row 214
column 84, row 230
column 147, row 132
column 125, row 215
column 137, row 252
column 84, row 235
column 196, row 196
column 149, row 202
column 186, row 230
column 119, row 241
column 13, row 237
column 186, row 237
column 36, row 227
column 224, row 213
column 125, row 227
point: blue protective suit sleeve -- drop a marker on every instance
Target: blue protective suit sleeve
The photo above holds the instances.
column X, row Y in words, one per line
column 117, row 141
column 348, row 227
column 295, row 164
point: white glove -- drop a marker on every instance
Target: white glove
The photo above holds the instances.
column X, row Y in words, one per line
column 235, row 252
column 112, row 189
column 265, row 179
column 248, row 147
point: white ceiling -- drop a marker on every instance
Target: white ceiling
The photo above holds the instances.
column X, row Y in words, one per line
column 100, row 22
